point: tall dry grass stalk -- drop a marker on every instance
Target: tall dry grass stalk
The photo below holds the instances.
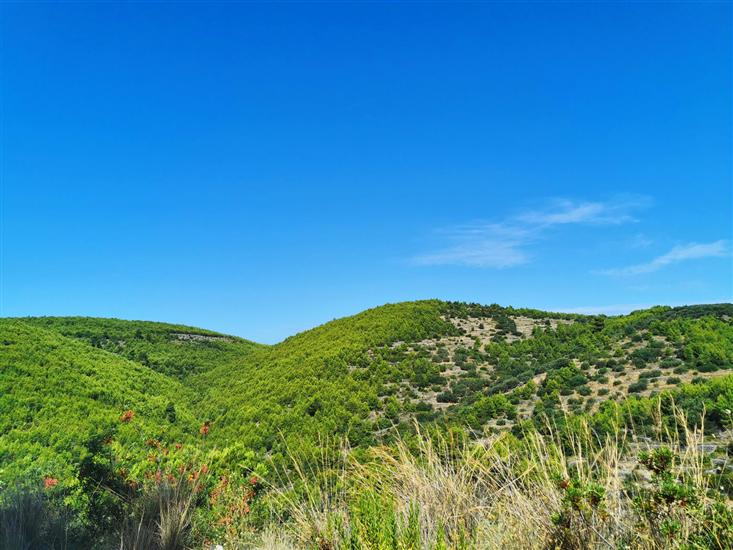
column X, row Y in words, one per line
column 164, row 518
column 502, row 493
column 311, row 496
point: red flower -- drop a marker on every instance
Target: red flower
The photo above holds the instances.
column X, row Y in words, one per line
column 205, row 428
column 178, row 446
column 226, row 520
column 253, row 481
column 127, row 416
column 50, row 482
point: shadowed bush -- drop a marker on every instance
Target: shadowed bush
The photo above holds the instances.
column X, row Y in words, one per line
column 30, row 521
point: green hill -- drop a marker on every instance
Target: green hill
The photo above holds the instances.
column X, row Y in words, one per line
column 110, row 403
column 178, row 351
column 61, row 407
column 57, row 394
column 484, row 367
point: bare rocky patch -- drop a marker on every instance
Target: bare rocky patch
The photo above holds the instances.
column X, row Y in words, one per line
column 526, row 325
column 192, row 337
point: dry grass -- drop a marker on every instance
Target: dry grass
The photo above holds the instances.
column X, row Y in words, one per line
column 442, row 492
column 164, row 519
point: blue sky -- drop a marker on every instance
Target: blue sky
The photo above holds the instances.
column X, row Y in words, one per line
column 260, row 169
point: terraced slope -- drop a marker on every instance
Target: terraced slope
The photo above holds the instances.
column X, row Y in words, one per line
column 508, row 366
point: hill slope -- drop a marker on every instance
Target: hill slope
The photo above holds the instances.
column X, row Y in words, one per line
column 174, row 350
column 60, row 399
column 98, row 406
column 480, row 366
column 465, row 364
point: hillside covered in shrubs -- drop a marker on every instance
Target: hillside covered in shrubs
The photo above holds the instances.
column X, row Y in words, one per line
column 324, row 439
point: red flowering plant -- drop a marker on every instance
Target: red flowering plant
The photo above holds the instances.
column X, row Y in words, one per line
column 234, row 499
column 167, row 462
column 143, row 456
column 235, row 507
column 227, row 481
column 50, row 482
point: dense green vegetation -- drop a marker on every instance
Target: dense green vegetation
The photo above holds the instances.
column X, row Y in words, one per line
column 60, row 407
column 159, row 346
column 308, row 384
column 95, row 412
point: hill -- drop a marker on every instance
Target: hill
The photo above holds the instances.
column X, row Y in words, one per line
column 92, row 403
column 62, row 402
column 161, row 347
column 484, row 367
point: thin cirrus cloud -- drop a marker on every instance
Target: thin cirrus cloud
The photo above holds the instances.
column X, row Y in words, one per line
column 613, row 212
column 505, row 244
column 497, row 245
column 681, row 253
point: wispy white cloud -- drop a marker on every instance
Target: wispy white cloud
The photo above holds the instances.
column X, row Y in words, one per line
column 613, row 212
column 681, row 253
column 495, row 245
column 505, row 243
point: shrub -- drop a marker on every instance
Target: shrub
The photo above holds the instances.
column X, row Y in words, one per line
column 708, row 367
column 447, row 397
column 639, row 386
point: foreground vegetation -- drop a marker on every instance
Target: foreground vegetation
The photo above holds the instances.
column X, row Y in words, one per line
column 417, row 425
column 565, row 489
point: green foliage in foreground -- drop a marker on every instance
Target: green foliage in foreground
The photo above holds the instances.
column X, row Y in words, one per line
column 425, row 492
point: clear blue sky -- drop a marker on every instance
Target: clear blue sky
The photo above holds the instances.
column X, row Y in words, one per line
column 260, row 169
